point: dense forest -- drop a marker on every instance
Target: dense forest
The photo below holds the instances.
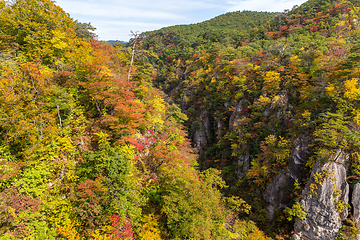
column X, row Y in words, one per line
column 275, row 107
column 245, row 126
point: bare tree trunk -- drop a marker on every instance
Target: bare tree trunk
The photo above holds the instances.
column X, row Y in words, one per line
column 59, row 115
column 135, row 35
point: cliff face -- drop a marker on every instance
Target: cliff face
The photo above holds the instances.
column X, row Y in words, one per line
column 265, row 107
column 323, row 197
column 326, row 195
column 356, row 204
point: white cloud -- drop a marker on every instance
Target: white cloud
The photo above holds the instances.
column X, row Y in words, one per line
column 115, row 18
column 101, row 9
column 130, row 24
column 168, row 5
column 261, row 5
column 120, row 30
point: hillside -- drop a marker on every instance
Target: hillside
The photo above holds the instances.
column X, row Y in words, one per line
column 231, row 24
column 182, row 41
column 275, row 109
column 246, row 126
column 113, row 42
column 89, row 149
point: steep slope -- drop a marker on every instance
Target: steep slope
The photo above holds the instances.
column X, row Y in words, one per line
column 231, row 24
column 182, row 41
column 275, row 111
column 89, row 149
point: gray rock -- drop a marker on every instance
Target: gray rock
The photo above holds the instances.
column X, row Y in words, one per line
column 281, row 103
column 183, row 102
column 202, row 135
column 267, row 112
column 277, row 192
column 200, row 138
column 299, row 157
column 301, row 151
column 356, row 204
column 322, row 220
column 206, row 123
column 242, row 165
column 220, row 126
column 235, row 114
column 339, row 181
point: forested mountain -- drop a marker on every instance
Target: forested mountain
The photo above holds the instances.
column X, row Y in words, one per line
column 94, row 136
column 114, row 42
column 234, row 25
column 89, row 149
column 276, row 109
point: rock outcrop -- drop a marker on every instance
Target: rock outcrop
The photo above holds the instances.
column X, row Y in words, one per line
column 235, row 114
column 277, row 193
column 200, row 138
column 202, row 134
column 356, row 204
column 242, row 165
column 327, row 187
column 301, row 152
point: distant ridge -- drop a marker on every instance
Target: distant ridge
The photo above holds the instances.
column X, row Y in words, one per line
column 228, row 23
column 113, row 42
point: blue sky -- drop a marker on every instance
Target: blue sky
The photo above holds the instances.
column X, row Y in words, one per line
column 115, row 19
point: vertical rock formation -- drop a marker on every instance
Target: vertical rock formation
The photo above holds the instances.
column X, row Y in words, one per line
column 326, row 188
column 235, row 114
column 276, row 193
column 356, row 204
column 242, row 165
column 203, row 134
column 299, row 156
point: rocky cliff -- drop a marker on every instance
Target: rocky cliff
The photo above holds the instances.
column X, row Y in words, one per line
column 325, row 197
column 325, row 200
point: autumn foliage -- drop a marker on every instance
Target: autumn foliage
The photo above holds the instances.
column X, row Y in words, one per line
column 101, row 142
column 85, row 152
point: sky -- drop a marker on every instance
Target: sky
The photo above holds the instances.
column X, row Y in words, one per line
column 115, row 19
